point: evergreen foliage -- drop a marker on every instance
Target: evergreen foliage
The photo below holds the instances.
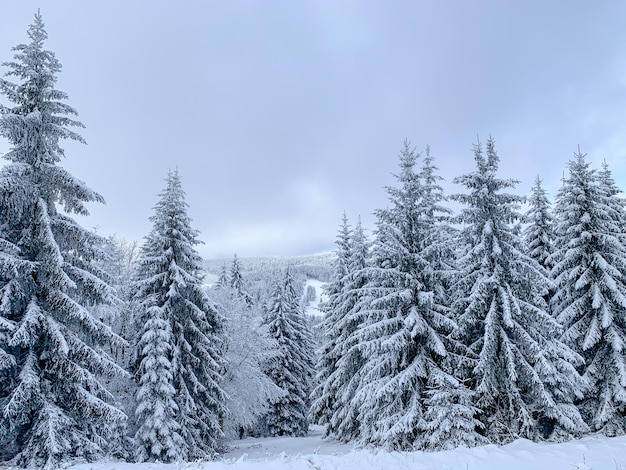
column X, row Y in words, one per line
column 403, row 324
column 291, row 367
column 520, row 371
column 324, row 394
column 343, row 422
column 432, row 339
column 125, row 257
column 438, row 244
column 340, row 361
column 181, row 327
column 589, row 271
column 159, row 434
column 222, row 278
column 450, row 416
column 236, row 282
column 539, row 234
column 118, row 262
column 611, row 194
column 53, row 407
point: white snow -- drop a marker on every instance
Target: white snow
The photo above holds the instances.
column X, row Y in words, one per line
column 312, row 307
column 313, row 453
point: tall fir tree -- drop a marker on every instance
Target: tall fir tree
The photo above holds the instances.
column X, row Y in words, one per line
column 53, row 407
column 236, row 281
column 403, row 325
column 324, row 394
column 343, row 421
column 291, row 367
column 175, row 307
column 449, row 415
column 590, row 301
column 521, row 372
column 612, row 193
column 223, row 280
column 438, row 243
column 539, row 233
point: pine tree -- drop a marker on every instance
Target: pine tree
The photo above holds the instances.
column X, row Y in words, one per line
column 343, row 422
column 450, row 416
column 611, row 193
column 438, row 243
column 237, row 283
column 53, row 406
column 539, row 233
column 521, row 372
column 159, row 434
column 403, row 325
column 170, row 289
column 324, row 395
column 291, row 367
column 223, row 280
column 589, row 271
column 432, row 194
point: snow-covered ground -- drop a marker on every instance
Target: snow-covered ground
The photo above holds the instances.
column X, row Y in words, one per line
column 313, row 453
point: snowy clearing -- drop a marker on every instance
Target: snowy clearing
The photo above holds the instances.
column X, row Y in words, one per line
column 312, row 307
column 313, row 453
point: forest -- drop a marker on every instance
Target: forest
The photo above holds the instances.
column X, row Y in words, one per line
column 442, row 329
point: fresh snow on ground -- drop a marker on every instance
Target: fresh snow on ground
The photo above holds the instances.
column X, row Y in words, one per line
column 311, row 307
column 314, row 453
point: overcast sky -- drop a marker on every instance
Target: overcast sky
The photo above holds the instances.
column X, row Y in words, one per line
column 280, row 115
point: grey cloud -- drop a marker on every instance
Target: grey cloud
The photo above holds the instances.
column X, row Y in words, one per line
column 267, row 106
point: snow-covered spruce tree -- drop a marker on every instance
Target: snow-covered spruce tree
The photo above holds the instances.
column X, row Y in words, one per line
column 403, row 324
column 450, row 416
column 223, row 279
column 522, row 372
column 52, row 406
column 611, row 193
column 539, row 233
column 247, row 349
column 590, row 301
column 324, row 394
column 182, row 328
column 343, row 422
column 439, row 244
column 237, row 283
column 159, row 434
column 291, row 366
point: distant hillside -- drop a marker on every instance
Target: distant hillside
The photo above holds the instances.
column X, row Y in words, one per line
column 310, row 274
column 309, row 266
